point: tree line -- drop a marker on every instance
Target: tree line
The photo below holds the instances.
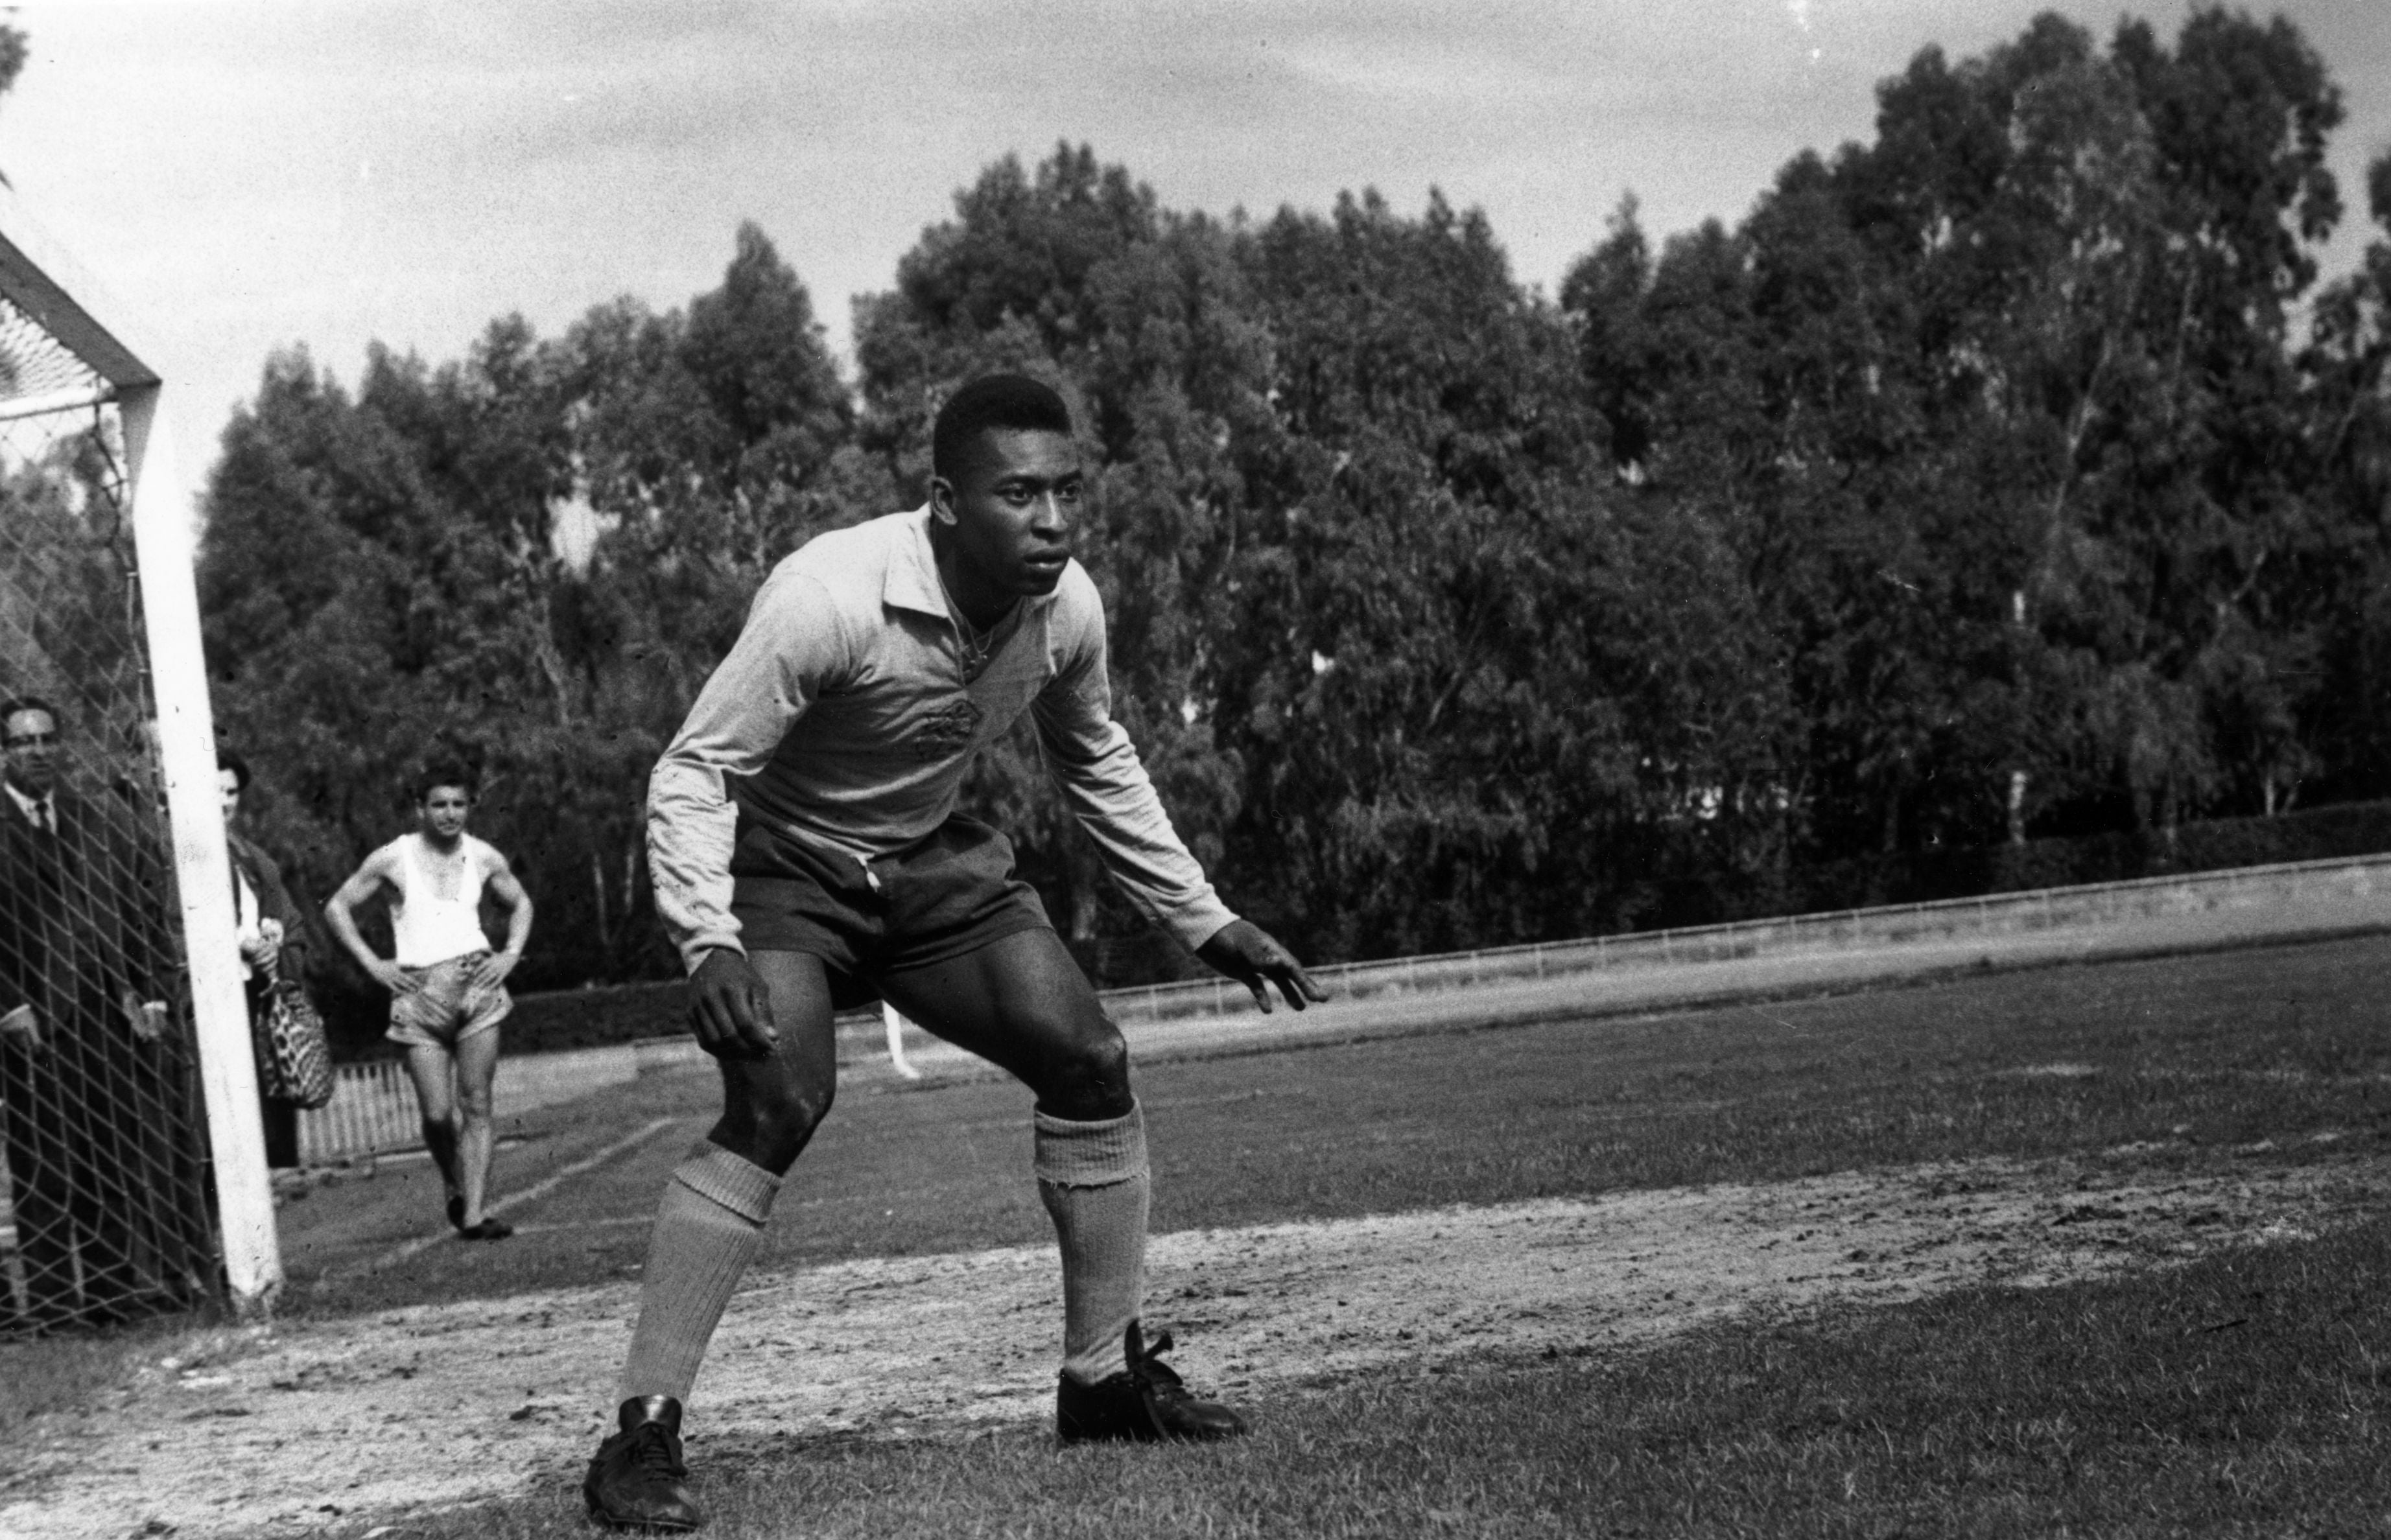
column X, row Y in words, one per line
column 2012, row 473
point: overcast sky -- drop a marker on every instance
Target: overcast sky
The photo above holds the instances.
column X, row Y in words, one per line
column 249, row 176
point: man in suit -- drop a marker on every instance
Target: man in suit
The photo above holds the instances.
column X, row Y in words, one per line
column 87, row 1066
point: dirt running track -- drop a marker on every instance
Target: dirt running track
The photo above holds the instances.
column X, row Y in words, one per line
column 351, row 1420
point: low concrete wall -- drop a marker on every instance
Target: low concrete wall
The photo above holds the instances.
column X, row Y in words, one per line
column 373, row 1109
column 2244, row 888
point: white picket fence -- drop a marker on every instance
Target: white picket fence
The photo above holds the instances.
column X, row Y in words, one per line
column 373, row 1110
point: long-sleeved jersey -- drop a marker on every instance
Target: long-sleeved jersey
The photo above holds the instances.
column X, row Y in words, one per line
column 843, row 717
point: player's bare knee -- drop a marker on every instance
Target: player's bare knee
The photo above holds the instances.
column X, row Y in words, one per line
column 1104, row 1058
column 788, row 1110
column 1089, row 1079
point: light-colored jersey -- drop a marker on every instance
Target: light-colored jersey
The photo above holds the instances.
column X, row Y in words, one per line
column 843, row 718
column 430, row 927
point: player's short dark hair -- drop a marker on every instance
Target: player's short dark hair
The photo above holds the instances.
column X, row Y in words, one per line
column 16, row 703
column 228, row 759
column 993, row 402
column 437, row 773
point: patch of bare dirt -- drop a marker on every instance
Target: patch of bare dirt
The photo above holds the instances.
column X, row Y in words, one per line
column 303, row 1426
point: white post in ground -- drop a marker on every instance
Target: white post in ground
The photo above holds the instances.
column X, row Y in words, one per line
column 164, row 536
column 896, row 1021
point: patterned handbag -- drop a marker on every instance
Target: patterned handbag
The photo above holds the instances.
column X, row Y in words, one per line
column 294, row 1054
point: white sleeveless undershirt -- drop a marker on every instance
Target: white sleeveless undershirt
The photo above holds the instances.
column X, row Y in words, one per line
column 431, row 929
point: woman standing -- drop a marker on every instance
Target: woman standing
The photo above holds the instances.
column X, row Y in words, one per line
column 273, row 944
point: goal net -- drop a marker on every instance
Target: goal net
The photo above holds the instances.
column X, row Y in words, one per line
column 110, row 1169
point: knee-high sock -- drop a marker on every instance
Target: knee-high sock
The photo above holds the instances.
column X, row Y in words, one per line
column 708, row 1228
column 1093, row 1178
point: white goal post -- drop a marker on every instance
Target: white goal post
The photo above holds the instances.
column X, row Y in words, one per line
column 69, row 371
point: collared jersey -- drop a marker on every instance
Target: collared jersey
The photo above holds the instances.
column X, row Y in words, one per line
column 843, row 718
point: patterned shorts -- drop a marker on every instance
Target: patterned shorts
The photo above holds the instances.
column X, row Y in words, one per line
column 448, row 1009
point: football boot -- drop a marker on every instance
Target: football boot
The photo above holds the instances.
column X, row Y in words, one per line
column 637, row 1480
column 1145, row 1403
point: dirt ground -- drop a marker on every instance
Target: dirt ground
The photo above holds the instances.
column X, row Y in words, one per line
column 363, row 1419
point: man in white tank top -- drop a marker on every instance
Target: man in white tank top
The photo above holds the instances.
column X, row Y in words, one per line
column 447, row 988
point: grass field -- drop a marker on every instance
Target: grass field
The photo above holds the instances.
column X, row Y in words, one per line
column 2209, row 1362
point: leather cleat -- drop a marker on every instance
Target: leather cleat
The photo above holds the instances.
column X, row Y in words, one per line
column 637, row 1480
column 1146, row 1403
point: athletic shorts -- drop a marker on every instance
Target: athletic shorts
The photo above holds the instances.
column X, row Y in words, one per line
column 447, row 1009
column 951, row 894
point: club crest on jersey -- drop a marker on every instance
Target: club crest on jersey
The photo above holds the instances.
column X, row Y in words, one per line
column 946, row 731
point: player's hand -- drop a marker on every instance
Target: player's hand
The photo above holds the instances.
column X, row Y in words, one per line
column 1248, row 953
column 22, row 1027
column 392, row 977
column 729, row 1010
column 493, row 969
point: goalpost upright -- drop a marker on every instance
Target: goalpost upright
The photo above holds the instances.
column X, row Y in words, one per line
column 66, row 358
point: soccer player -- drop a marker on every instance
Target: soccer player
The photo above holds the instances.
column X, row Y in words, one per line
column 447, row 988
column 807, row 855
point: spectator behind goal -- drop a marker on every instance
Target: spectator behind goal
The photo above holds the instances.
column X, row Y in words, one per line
column 273, row 939
column 97, row 1131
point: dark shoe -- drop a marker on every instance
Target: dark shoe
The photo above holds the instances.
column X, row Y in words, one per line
column 638, row 1481
column 488, row 1229
column 1146, row 1403
column 456, row 1212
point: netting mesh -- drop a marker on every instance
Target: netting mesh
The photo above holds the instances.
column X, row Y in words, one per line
column 38, row 372
column 107, row 1200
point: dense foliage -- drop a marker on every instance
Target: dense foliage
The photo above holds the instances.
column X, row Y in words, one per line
column 2011, row 473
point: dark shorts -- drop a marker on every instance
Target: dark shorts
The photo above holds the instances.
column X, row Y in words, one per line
column 953, row 892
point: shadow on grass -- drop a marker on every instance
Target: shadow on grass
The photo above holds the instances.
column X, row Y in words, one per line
column 2240, row 1396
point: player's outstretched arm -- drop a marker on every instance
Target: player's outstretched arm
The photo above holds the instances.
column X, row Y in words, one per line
column 729, row 1010
column 1251, row 956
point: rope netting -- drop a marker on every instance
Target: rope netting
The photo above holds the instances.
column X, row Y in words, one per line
column 38, row 373
column 105, row 1188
